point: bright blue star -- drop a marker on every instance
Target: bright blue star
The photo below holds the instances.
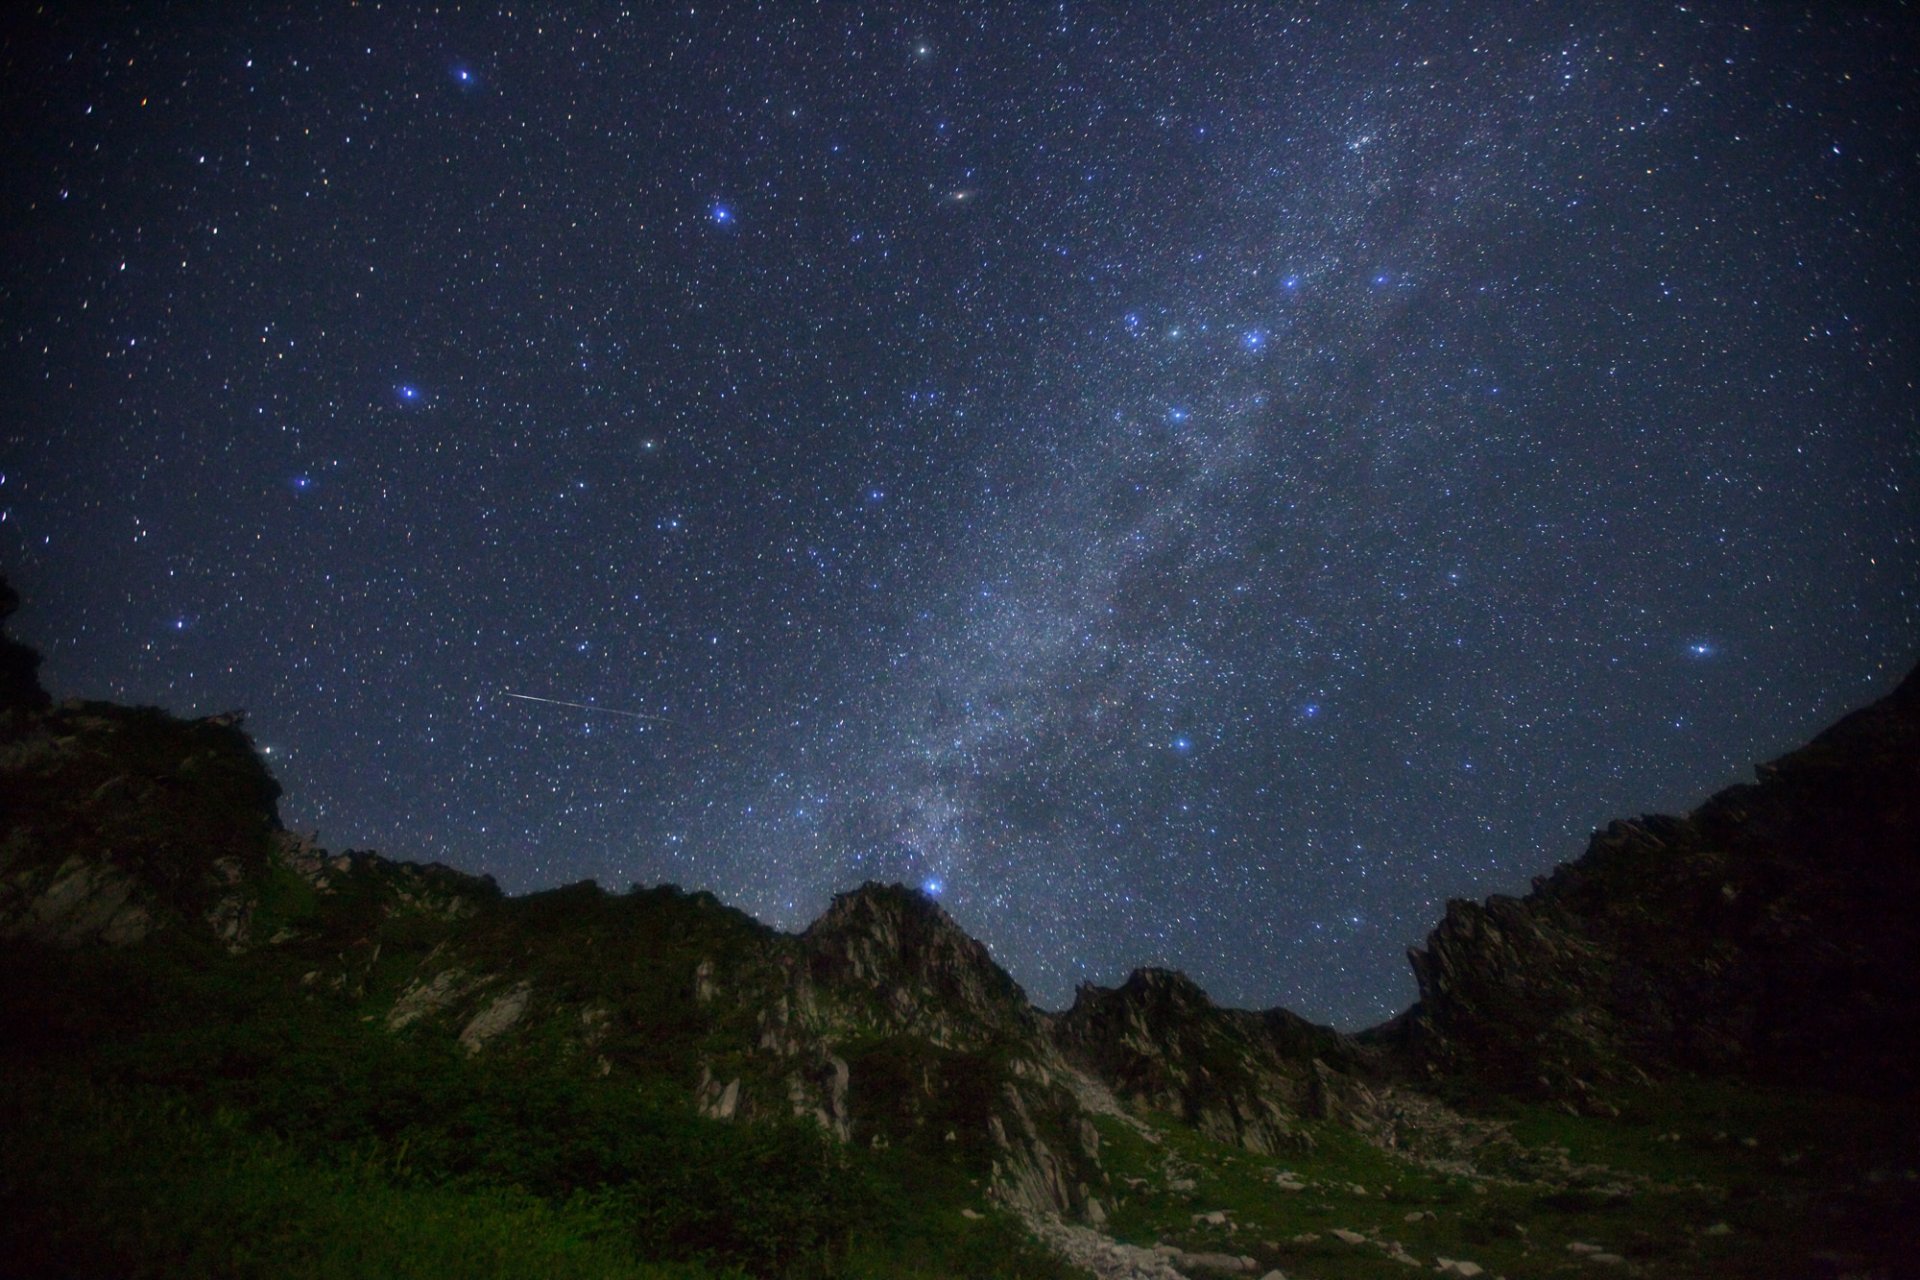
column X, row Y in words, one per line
column 722, row 215
column 1701, row 649
column 407, row 393
column 1254, row 339
column 933, row 887
column 465, row 78
column 1177, row 414
column 1311, row 710
column 301, row 483
column 1183, row 745
column 1291, row 283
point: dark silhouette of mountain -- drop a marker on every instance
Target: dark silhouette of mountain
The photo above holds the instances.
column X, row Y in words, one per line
column 1768, row 934
column 19, row 665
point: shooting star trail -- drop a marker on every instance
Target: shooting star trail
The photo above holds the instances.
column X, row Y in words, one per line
column 587, row 706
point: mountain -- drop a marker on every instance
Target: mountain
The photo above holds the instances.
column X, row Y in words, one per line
column 1770, row 934
column 226, row 1050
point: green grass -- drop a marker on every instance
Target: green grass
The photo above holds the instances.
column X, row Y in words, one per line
column 171, row 1109
column 204, row 1115
column 912, row 1225
column 132, row 1183
column 1692, row 1127
column 1266, row 1219
column 1798, row 1190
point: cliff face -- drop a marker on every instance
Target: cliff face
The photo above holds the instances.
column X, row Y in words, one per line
column 1769, row 933
column 119, row 821
column 1241, row 1078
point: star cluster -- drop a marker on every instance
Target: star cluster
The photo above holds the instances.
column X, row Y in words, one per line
column 1197, row 485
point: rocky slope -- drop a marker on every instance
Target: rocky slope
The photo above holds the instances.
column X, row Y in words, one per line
column 1768, row 934
column 1244, row 1079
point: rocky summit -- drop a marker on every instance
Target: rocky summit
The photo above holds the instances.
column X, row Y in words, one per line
column 228, row 1050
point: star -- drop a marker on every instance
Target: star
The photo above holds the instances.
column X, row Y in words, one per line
column 1129, row 498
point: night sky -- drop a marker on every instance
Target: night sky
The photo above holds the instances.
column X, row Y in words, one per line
column 1185, row 484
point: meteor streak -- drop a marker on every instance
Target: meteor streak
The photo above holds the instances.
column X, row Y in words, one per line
column 587, row 706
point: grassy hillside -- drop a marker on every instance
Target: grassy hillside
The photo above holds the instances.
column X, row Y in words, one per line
column 175, row 1111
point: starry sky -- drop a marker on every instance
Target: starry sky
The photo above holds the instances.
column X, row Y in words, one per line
column 1188, row 484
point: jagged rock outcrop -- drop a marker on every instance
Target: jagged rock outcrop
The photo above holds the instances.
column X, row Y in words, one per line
column 959, row 1051
column 1768, row 933
column 497, row 1017
column 72, row 904
column 426, row 996
column 1243, row 1078
column 116, row 822
column 899, row 964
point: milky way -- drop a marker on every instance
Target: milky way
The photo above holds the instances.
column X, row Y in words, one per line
column 1192, row 488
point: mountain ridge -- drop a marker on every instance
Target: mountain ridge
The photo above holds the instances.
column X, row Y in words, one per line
column 1756, row 939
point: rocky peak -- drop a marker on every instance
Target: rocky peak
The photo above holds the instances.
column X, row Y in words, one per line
column 1167, row 991
column 895, row 946
column 1162, row 1044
